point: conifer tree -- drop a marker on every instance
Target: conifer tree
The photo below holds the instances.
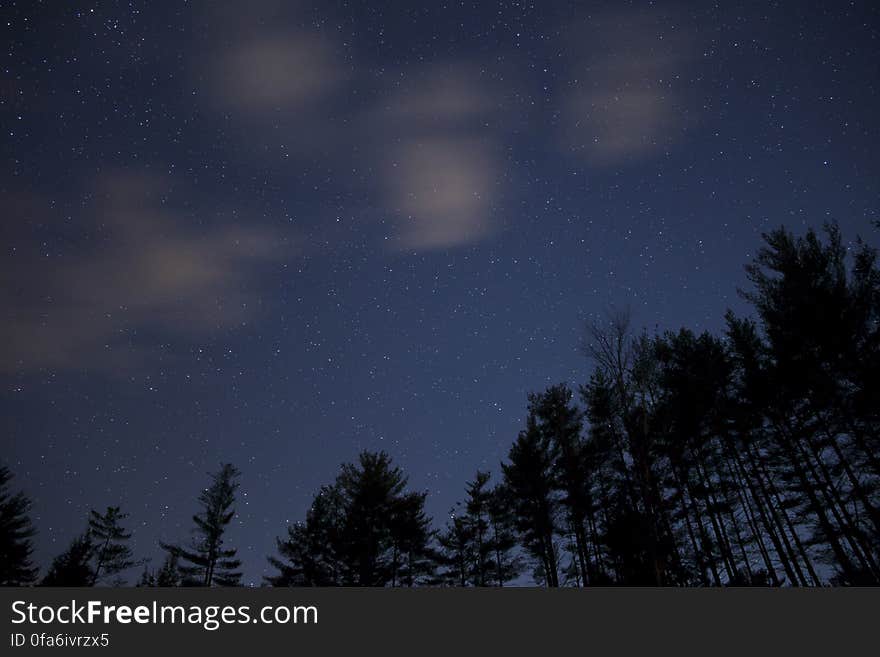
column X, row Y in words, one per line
column 207, row 561
column 477, row 546
column 147, row 578
column 477, row 507
column 112, row 554
column 16, row 532
column 369, row 490
column 365, row 529
column 412, row 561
column 820, row 430
column 169, row 573
column 507, row 564
column 456, row 555
column 528, row 477
column 561, row 423
column 73, row 566
column 309, row 552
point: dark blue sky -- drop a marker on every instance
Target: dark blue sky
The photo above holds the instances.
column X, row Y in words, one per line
column 277, row 234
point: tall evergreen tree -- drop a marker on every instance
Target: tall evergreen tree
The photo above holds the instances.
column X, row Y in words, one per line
column 147, row 578
column 456, row 551
column 363, row 530
column 507, row 564
column 820, row 430
column 477, row 507
column 208, row 562
column 168, row 574
column 412, row 560
column 369, row 489
column 479, row 541
column 529, row 479
column 561, row 423
column 16, row 532
column 112, row 553
column 73, row 566
column 309, row 554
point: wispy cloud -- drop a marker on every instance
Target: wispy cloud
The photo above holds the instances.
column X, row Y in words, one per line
column 624, row 102
column 289, row 71
column 421, row 140
column 146, row 271
column 440, row 189
column 438, row 174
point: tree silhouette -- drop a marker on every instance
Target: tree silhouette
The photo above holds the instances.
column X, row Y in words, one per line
column 745, row 458
column 369, row 491
column 529, row 478
column 73, row 566
column 112, row 553
column 507, row 564
column 16, row 532
column 169, row 573
column 412, row 561
column 477, row 507
column 561, row 423
column 147, row 578
column 363, row 530
column 477, row 546
column 456, row 556
column 207, row 561
column 820, row 423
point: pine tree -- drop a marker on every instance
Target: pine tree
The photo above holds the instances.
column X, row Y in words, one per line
column 147, row 578
column 820, row 429
column 610, row 478
column 528, row 477
column 625, row 385
column 477, row 505
column 209, row 563
column 561, row 423
column 456, row 556
column 16, row 532
column 309, row 553
column 112, row 553
column 169, row 574
column 412, row 561
column 507, row 564
column 363, row 530
column 73, row 566
column 477, row 546
column 369, row 489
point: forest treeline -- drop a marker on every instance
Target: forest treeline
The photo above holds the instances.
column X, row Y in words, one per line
column 746, row 458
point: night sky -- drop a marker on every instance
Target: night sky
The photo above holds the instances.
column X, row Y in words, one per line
column 277, row 234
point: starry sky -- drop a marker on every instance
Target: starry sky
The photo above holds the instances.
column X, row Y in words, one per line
column 278, row 233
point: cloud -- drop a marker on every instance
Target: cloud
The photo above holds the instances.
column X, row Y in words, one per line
column 422, row 137
column 145, row 275
column 440, row 187
column 440, row 97
column 438, row 175
column 286, row 71
column 421, row 130
column 624, row 101
column 611, row 126
column 267, row 59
